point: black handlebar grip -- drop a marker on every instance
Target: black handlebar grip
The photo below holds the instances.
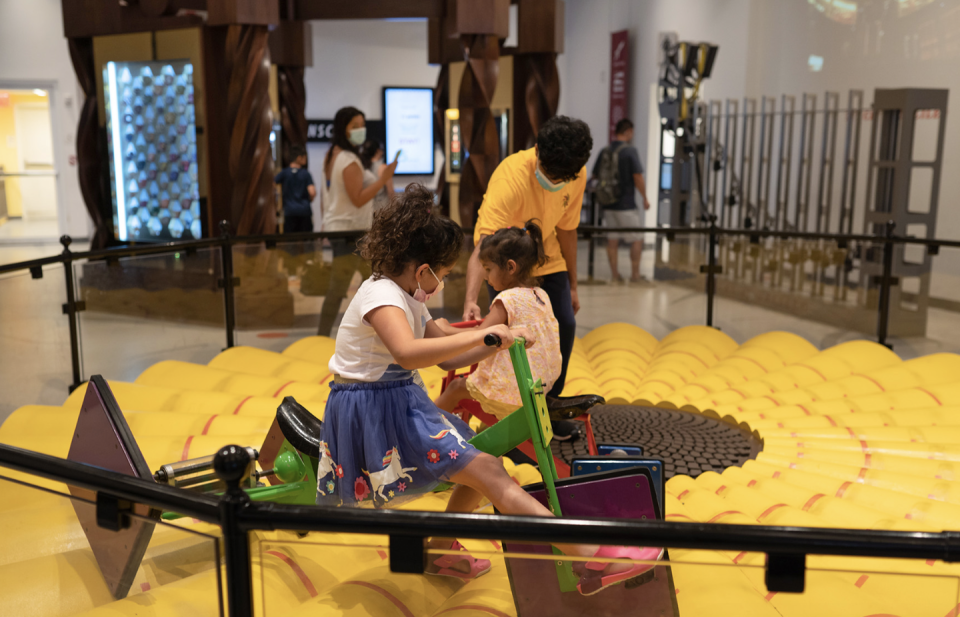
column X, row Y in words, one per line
column 492, row 340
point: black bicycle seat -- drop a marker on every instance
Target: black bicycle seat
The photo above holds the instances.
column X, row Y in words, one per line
column 569, row 407
column 300, row 427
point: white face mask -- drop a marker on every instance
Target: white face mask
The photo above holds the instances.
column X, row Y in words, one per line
column 357, row 136
column 421, row 296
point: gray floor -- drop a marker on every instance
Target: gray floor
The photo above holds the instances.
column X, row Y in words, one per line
column 35, row 366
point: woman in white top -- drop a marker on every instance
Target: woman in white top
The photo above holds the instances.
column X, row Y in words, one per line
column 347, row 206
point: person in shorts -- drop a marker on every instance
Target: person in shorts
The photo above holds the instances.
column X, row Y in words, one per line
column 619, row 201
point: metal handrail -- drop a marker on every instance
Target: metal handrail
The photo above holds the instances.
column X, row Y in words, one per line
column 252, row 516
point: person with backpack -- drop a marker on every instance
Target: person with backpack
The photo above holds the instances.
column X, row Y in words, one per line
column 616, row 173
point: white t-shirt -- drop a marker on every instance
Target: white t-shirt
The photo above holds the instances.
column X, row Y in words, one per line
column 339, row 213
column 360, row 352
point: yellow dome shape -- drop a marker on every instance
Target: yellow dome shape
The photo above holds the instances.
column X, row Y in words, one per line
column 316, row 349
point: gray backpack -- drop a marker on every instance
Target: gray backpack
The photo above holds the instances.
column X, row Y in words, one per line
column 608, row 174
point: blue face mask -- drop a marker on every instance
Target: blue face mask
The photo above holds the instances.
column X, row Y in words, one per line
column 546, row 184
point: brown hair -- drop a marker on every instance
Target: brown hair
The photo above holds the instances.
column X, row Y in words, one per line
column 407, row 231
column 523, row 245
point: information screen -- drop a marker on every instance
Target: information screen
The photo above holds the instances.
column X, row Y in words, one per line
column 408, row 113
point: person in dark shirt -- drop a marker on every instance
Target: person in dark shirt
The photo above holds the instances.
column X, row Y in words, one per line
column 298, row 191
column 624, row 212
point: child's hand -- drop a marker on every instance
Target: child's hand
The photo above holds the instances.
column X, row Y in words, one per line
column 529, row 338
column 505, row 334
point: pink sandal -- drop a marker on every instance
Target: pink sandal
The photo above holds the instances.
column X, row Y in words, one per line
column 590, row 585
column 478, row 567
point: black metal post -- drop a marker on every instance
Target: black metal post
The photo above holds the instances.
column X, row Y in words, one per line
column 591, row 242
column 886, row 280
column 711, row 269
column 231, row 465
column 70, row 310
column 228, row 281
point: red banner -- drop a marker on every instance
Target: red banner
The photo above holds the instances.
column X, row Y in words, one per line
column 619, row 77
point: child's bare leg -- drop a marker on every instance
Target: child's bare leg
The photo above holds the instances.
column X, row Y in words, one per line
column 450, row 398
column 486, row 475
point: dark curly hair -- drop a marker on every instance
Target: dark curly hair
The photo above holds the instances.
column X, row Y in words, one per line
column 523, row 245
column 564, row 145
column 407, row 231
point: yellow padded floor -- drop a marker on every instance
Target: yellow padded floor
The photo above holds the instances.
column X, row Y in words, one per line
column 854, row 437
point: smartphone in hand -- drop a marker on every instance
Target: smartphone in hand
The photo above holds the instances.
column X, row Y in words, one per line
column 397, row 156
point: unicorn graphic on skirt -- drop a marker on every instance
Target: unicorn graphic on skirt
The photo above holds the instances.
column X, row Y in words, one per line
column 327, row 466
column 450, row 430
column 391, row 472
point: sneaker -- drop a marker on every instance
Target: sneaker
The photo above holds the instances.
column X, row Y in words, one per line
column 566, row 430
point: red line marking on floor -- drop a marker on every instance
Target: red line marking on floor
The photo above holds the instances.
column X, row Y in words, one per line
column 307, row 583
column 475, row 607
column 386, row 594
column 830, row 420
column 762, row 367
column 770, row 595
column 779, row 424
column 868, row 378
column 861, row 581
column 776, row 475
column 680, row 496
column 800, row 444
column 954, row 611
column 931, row 395
column 722, row 487
column 326, row 377
column 739, row 557
column 722, row 514
column 930, row 562
column 770, row 511
column 206, row 427
column 741, row 394
column 775, row 401
column 863, row 445
column 862, row 475
column 186, row 448
column 277, row 393
column 382, row 553
column 144, row 586
column 751, row 483
column 273, row 335
column 237, row 410
column 804, row 410
column 867, row 460
column 496, row 544
column 815, row 371
column 680, row 516
column 806, row 507
column 843, row 489
column 687, row 353
column 763, row 417
column 851, row 432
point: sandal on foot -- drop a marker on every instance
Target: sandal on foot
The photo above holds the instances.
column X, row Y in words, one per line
column 478, row 567
column 591, row 584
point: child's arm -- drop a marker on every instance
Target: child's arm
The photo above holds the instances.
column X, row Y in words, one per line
column 442, row 327
column 390, row 324
column 496, row 316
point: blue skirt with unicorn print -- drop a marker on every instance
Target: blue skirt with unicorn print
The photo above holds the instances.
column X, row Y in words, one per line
column 386, row 440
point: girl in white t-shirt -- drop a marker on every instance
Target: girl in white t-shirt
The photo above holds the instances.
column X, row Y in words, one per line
column 382, row 436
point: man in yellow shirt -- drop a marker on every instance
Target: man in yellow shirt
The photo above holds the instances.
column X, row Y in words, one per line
column 545, row 183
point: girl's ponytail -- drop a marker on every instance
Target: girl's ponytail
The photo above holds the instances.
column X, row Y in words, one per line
column 536, row 236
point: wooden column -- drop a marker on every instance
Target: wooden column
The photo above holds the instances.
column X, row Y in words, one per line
column 443, row 48
column 291, row 49
column 480, row 25
column 90, row 163
column 238, row 111
column 536, row 82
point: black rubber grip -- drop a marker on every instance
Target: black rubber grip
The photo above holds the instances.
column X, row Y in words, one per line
column 492, row 340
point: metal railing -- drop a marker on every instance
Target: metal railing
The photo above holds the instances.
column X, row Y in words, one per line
column 786, row 547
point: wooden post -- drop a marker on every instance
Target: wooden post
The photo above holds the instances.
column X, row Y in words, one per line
column 536, row 82
column 291, row 49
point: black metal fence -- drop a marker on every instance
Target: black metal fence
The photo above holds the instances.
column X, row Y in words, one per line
column 709, row 235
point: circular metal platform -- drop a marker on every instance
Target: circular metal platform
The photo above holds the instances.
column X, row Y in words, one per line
column 688, row 443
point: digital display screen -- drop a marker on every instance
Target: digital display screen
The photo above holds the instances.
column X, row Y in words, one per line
column 408, row 114
column 152, row 142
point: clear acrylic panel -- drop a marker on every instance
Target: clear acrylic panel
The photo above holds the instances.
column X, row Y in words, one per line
column 141, row 310
column 35, row 367
column 56, row 561
column 341, row 573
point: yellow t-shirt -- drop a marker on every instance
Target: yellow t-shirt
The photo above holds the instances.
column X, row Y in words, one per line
column 514, row 196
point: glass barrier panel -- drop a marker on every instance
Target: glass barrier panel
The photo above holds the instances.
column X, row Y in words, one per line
column 340, row 573
column 55, row 560
column 141, row 310
column 35, row 366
